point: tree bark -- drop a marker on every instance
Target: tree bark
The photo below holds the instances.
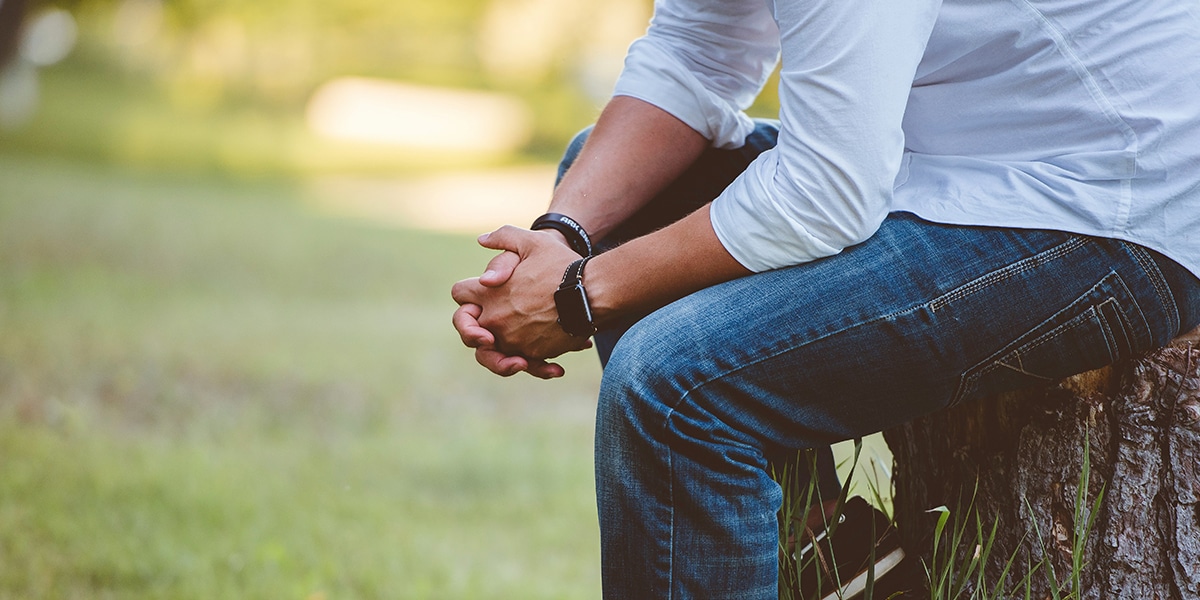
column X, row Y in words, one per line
column 1022, row 455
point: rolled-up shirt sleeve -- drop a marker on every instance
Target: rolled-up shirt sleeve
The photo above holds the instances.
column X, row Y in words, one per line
column 847, row 69
column 704, row 61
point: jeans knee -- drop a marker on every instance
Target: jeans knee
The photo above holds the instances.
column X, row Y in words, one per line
column 638, row 380
column 623, row 383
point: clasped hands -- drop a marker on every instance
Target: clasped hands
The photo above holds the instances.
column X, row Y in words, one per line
column 507, row 314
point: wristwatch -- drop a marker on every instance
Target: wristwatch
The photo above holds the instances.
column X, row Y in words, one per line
column 574, row 313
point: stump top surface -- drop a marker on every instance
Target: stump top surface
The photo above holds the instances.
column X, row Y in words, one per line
column 1191, row 338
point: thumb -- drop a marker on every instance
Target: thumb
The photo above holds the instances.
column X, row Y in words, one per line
column 506, row 238
column 500, row 269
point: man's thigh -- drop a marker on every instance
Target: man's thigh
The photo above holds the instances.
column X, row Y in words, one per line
column 920, row 316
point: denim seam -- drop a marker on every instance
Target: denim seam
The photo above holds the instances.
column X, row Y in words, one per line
column 1155, row 274
column 670, row 571
column 1110, row 336
column 1127, row 321
column 1092, row 312
column 1007, row 272
column 971, row 287
column 993, row 362
column 671, row 532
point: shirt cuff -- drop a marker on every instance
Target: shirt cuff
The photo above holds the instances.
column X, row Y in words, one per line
column 756, row 230
column 653, row 75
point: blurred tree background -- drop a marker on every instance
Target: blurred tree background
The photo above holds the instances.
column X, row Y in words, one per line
column 227, row 234
column 238, row 75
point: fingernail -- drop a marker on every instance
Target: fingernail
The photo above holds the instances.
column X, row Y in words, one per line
column 484, row 237
column 488, row 273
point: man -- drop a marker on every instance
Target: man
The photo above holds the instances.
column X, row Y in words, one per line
column 961, row 197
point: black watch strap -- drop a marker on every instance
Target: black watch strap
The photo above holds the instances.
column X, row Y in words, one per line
column 576, row 236
column 574, row 273
column 571, row 301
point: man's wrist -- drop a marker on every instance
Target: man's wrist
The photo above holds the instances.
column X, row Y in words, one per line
column 571, row 302
column 600, row 294
column 558, row 236
column 577, row 238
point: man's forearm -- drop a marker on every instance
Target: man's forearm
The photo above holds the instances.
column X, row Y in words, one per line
column 635, row 151
column 657, row 268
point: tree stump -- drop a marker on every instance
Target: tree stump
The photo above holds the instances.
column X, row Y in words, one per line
column 1022, row 455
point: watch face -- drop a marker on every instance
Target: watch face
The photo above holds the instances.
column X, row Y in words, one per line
column 574, row 314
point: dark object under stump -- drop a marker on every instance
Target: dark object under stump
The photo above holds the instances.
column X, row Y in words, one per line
column 1022, row 455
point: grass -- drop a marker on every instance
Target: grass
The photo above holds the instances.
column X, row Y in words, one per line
column 962, row 540
column 87, row 515
column 209, row 390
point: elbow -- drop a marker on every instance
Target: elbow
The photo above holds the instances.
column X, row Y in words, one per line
column 858, row 221
column 841, row 208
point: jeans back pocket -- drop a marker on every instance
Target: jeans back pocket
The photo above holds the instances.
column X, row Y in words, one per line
column 1101, row 327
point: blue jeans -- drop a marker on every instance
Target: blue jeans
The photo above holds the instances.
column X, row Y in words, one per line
column 919, row 317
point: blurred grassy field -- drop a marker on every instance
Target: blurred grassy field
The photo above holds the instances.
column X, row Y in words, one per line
column 209, row 390
column 214, row 386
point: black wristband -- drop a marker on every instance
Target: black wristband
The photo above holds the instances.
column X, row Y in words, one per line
column 570, row 228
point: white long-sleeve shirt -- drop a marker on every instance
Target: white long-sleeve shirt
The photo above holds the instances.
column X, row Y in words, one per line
column 1076, row 115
